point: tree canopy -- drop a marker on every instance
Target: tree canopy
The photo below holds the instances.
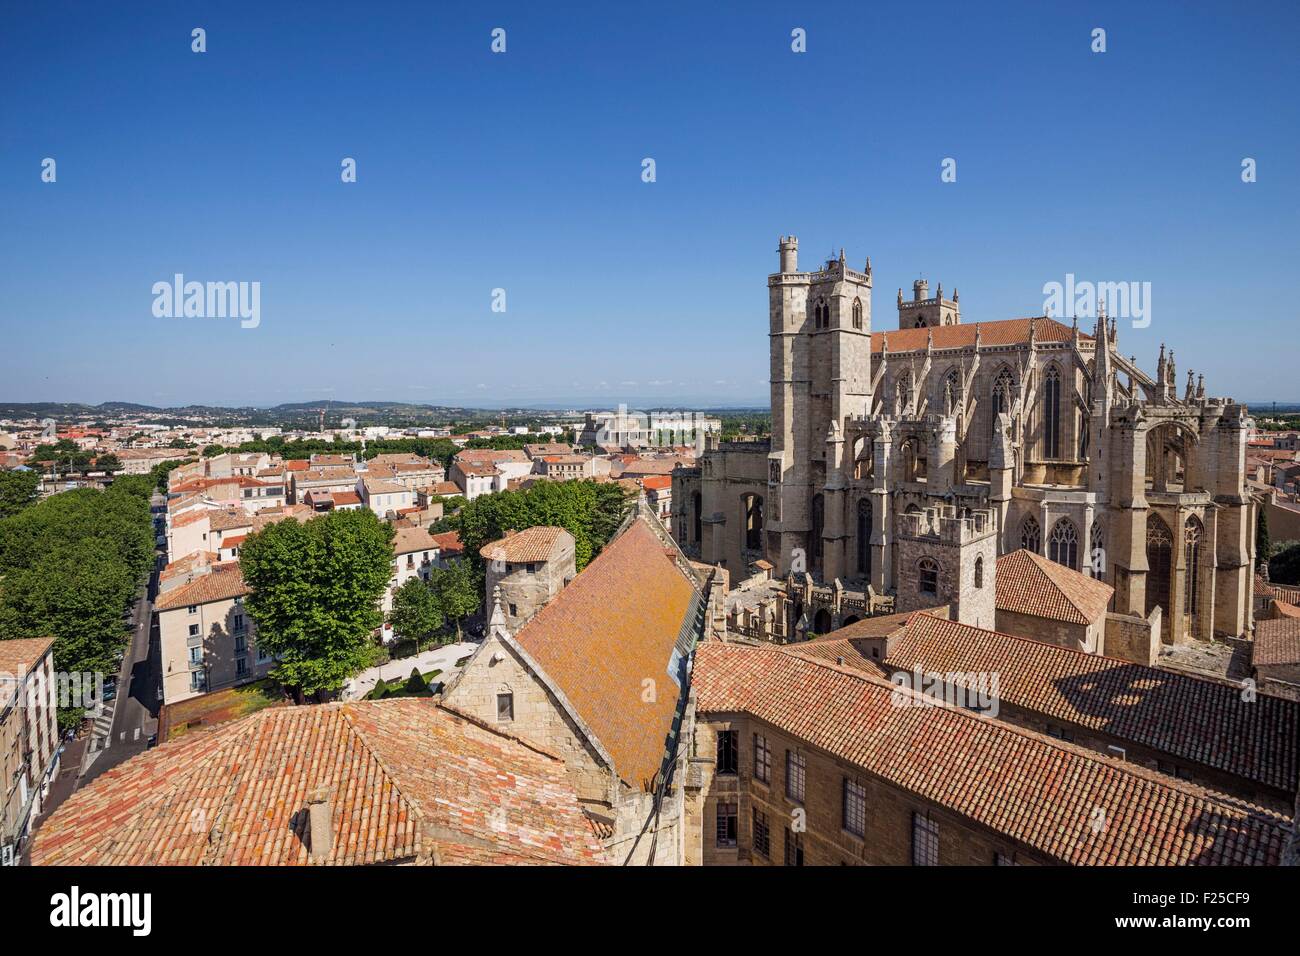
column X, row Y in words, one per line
column 17, row 491
column 315, row 595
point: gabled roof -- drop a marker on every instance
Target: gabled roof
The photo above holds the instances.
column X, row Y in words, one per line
column 409, row 780
column 1028, row 583
column 1027, row 787
column 1004, row 332
column 1197, row 720
column 614, row 627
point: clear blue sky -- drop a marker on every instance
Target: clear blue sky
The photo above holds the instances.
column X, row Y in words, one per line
column 523, row 171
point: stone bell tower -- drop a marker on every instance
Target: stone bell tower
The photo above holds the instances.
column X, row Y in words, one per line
column 924, row 312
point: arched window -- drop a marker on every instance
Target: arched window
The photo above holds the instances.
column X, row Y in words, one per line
column 1097, row 551
column 864, row 537
column 1063, row 546
column 951, row 392
column 818, row 522
column 1031, row 535
column 979, row 572
column 697, row 509
column 1001, row 404
column 1052, row 412
column 857, row 313
column 928, row 576
column 1192, row 534
column 1160, row 546
column 904, row 403
column 752, row 506
column 821, row 314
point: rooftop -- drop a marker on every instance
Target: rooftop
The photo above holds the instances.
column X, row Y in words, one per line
column 1028, row 583
column 408, row 781
column 532, row 544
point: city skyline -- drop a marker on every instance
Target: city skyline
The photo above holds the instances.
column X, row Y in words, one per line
column 523, row 171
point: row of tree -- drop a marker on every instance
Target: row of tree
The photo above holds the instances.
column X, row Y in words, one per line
column 70, row 566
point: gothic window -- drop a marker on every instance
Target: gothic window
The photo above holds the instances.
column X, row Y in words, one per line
column 979, row 572
column 1031, row 536
column 1160, row 546
column 914, row 466
column 864, row 537
column 821, row 314
column 818, row 522
column 928, row 576
column 951, row 392
column 1001, row 403
column 1097, row 551
column 697, row 507
column 857, row 313
column 1063, row 546
column 1192, row 546
column 753, row 508
column 904, row 393
column 1052, row 412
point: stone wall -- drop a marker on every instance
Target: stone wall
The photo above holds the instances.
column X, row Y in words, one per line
column 1132, row 638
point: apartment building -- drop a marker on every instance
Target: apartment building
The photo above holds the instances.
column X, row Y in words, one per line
column 29, row 737
column 207, row 638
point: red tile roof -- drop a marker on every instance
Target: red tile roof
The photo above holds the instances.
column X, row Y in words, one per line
column 1201, row 721
column 1028, row 583
column 221, row 583
column 1277, row 642
column 610, row 630
column 1042, row 793
column 1004, row 332
column 22, row 654
column 408, row 779
column 449, row 543
column 532, row 544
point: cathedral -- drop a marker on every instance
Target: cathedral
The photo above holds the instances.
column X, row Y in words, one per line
column 984, row 438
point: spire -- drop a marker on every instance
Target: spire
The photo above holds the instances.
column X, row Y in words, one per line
column 1191, row 387
column 954, row 294
column 841, row 255
column 868, row 272
column 1200, row 387
column 900, row 295
column 497, row 623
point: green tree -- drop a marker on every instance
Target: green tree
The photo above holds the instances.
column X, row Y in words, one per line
column 417, row 613
column 1263, row 542
column 109, row 463
column 1284, row 566
column 457, row 590
column 315, row 594
column 17, row 491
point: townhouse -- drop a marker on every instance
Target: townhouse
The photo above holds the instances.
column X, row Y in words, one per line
column 29, row 737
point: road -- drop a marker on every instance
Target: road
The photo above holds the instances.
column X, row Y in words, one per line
column 134, row 717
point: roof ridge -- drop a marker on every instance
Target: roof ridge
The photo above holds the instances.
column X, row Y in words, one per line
column 1133, row 769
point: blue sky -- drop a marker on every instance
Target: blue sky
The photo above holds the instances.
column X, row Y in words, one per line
column 522, row 171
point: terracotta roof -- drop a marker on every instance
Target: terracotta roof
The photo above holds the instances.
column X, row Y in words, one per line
column 449, row 543
column 1277, row 642
column 656, row 482
column 1004, row 332
column 377, row 486
column 1029, row 583
column 531, row 544
column 1032, row 789
column 410, row 540
column 297, row 464
column 474, row 468
column 1197, row 720
column 345, row 498
column 1282, row 609
column 222, row 582
column 22, row 654
column 229, row 520
column 489, row 456
column 445, row 489
column 611, row 629
column 407, row 778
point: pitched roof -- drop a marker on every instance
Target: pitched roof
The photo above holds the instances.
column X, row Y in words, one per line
column 22, row 654
column 615, row 626
column 1028, row 583
column 656, row 482
column 1037, row 791
column 532, row 544
column 221, row 583
column 407, row 778
column 1202, row 721
column 449, row 543
column 1277, row 642
column 410, row 540
column 1004, row 332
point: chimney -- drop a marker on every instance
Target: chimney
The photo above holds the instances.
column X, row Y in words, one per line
column 320, row 815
